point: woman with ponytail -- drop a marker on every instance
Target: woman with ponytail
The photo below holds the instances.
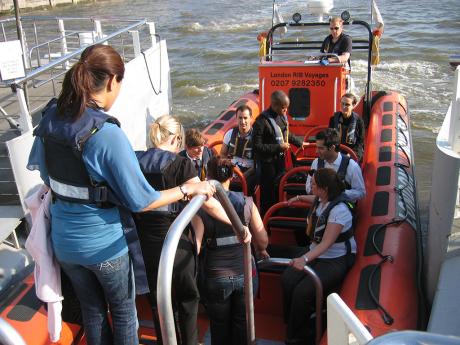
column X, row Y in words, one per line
column 96, row 182
column 223, row 278
column 331, row 254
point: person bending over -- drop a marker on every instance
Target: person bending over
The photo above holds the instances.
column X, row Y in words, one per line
column 223, row 260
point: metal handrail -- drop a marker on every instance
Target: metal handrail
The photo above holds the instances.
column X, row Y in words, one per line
column 165, row 269
column 318, row 288
column 50, row 41
column 168, row 253
column 43, row 18
column 8, row 335
column 71, row 55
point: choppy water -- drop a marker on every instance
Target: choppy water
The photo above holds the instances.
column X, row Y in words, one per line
column 213, row 54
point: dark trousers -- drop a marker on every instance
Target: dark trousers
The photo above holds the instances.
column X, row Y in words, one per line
column 185, row 290
column 299, row 294
column 226, row 310
column 269, row 181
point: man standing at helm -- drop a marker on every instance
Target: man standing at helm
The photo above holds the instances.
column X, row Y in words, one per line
column 271, row 140
column 337, row 42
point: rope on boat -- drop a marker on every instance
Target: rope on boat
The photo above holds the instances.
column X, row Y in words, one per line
column 148, row 70
column 403, row 121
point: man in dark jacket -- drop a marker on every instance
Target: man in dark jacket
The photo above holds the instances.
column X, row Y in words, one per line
column 271, row 142
column 349, row 125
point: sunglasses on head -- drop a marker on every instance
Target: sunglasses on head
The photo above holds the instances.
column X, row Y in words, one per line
column 311, row 172
column 334, row 28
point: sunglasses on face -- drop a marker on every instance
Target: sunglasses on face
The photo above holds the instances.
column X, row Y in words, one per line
column 334, row 28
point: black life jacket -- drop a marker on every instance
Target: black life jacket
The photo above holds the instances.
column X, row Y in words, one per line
column 279, row 135
column 221, row 234
column 153, row 163
column 331, row 47
column 317, row 225
column 64, row 142
column 351, row 135
column 342, row 171
column 240, row 147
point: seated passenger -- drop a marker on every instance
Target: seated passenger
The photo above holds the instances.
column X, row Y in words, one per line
column 327, row 149
column 331, row 253
column 196, row 151
column 337, row 42
column 164, row 169
column 223, row 260
column 237, row 145
column 349, row 125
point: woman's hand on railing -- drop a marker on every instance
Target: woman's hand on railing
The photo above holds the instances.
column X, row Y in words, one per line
column 247, row 235
column 203, row 188
column 298, row 263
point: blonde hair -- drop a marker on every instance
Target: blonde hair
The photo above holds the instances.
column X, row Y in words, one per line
column 163, row 127
column 336, row 20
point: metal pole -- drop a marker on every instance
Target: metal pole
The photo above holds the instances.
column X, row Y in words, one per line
column 8, row 335
column 241, row 233
column 318, row 289
column 165, row 269
column 23, row 45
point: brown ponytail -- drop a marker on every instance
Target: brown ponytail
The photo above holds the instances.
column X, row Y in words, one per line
column 88, row 77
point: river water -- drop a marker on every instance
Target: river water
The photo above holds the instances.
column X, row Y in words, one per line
column 213, row 55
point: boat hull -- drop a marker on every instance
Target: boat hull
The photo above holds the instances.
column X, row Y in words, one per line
column 391, row 199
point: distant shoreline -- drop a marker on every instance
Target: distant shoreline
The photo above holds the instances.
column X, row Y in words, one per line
column 6, row 6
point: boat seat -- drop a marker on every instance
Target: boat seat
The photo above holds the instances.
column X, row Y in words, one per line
column 286, row 224
column 293, row 183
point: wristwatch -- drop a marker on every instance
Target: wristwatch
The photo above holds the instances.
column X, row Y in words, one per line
column 184, row 193
column 305, row 257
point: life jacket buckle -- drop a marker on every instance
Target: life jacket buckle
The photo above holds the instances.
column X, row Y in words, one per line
column 100, row 194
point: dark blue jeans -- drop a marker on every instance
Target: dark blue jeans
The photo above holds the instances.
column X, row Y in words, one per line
column 107, row 285
column 226, row 310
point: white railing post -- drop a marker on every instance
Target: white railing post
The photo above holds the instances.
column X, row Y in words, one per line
column 341, row 322
column 136, row 42
column 152, row 31
column 25, row 120
column 454, row 133
column 64, row 49
column 97, row 30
